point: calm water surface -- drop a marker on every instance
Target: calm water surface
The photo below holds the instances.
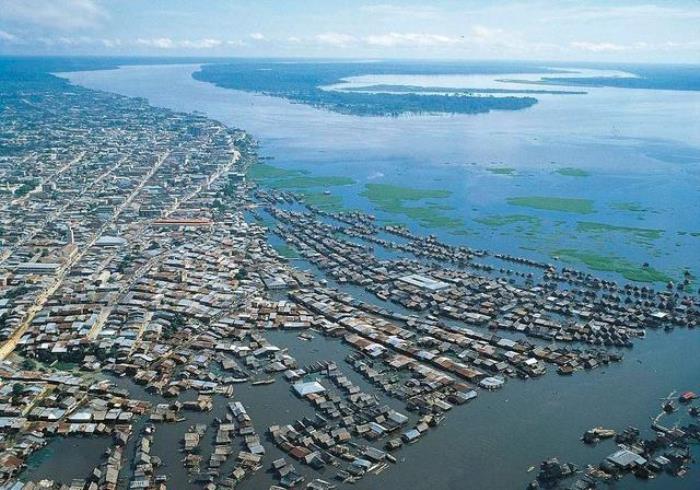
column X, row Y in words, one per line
column 639, row 146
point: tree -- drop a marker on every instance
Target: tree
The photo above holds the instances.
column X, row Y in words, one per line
column 28, row 365
column 17, row 389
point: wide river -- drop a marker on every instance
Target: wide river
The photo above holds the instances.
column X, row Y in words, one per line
column 639, row 147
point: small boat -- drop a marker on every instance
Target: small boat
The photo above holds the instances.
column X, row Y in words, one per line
column 687, row 397
column 597, row 433
column 604, row 433
column 669, row 407
column 266, row 381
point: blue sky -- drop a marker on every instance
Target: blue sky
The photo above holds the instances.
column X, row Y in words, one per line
column 594, row 30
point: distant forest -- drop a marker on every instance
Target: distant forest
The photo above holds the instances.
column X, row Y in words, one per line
column 300, row 82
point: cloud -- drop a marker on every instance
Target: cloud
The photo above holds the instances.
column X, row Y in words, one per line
column 55, row 14
column 598, row 47
column 202, row 43
column 258, row 36
column 497, row 40
column 168, row 43
column 336, row 39
column 484, row 35
column 111, row 43
column 8, row 37
column 625, row 12
column 393, row 11
column 639, row 46
column 395, row 39
column 160, row 42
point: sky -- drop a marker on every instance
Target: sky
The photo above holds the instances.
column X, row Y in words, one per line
column 584, row 30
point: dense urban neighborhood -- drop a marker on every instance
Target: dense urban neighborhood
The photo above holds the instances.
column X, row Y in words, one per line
column 151, row 287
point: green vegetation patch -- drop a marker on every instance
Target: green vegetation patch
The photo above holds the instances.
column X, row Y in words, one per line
column 300, row 84
column 326, row 202
column 417, row 89
column 609, row 263
column 25, row 188
column 564, row 204
column 386, row 194
column 464, row 233
column 286, row 251
column 306, row 181
column 263, row 171
column 508, row 219
column 431, row 217
column 392, row 199
column 502, row 170
column 572, row 172
column 633, row 207
column 643, row 233
column 280, row 178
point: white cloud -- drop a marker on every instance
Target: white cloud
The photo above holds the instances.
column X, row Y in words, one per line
column 77, row 41
column 624, row 12
column 598, row 47
column 201, row 43
column 8, row 37
column 55, row 14
column 168, row 43
column 396, row 39
column 393, row 11
column 336, row 39
column 639, row 46
column 111, row 43
column 485, row 35
column 160, row 42
column 258, row 36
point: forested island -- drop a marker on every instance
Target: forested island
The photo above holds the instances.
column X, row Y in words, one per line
column 384, row 88
column 295, row 82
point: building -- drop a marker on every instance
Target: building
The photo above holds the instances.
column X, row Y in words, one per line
column 626, row 459
column 424, row 282
column 39, row 268
column 309, row 388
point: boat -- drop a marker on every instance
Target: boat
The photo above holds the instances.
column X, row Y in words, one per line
column 566, row 370
column 597, row 433
column 687, row 397
column 266, row 381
